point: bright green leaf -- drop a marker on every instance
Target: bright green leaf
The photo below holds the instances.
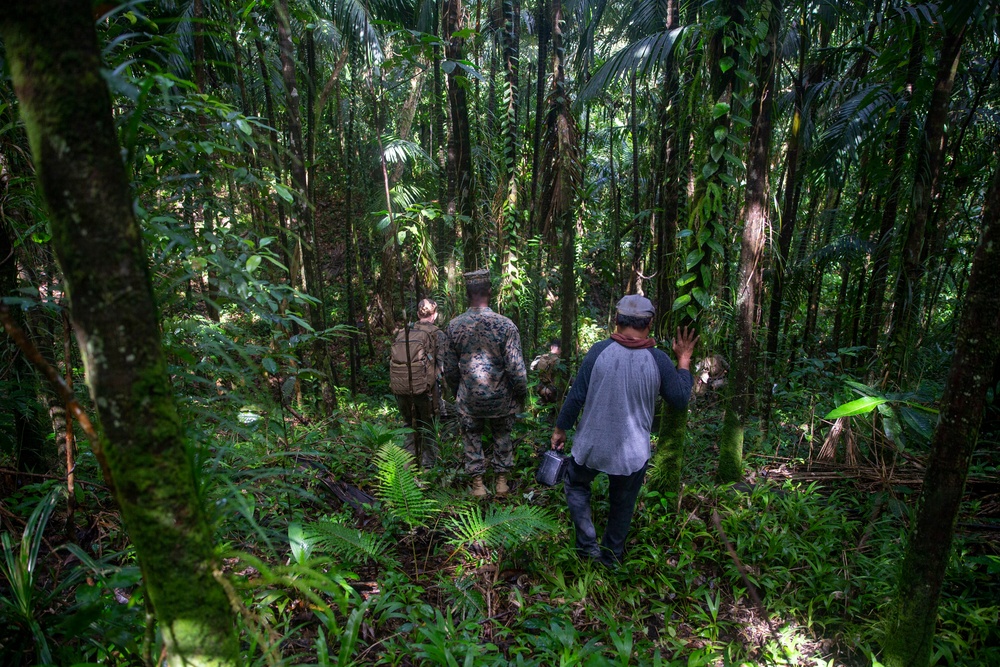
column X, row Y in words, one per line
column 253, row 261
column 859, row 406
column 685, row 279
column 681, row 301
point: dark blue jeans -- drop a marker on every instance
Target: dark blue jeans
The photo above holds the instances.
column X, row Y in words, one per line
column 622, row 493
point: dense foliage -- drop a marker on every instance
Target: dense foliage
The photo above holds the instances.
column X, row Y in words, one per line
column 806, row 183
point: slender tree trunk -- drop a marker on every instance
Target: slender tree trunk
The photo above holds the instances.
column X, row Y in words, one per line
column 55, row 62
column 756, row 219
column 272, row 122
column 913, row 614
column 543, row 30
column 460, row 196
column 906, row 300
column 874, row 317
column 667, row 189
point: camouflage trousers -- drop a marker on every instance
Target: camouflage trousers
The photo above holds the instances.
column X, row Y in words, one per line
column 473, row 429
column 419, row 410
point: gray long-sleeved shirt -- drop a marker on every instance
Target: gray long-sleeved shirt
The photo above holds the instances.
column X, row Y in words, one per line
column 617, row 389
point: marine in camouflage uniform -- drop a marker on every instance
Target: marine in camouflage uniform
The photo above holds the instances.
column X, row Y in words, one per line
column 483, row 363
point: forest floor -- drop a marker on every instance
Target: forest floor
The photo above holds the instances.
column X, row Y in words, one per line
column 792, row 567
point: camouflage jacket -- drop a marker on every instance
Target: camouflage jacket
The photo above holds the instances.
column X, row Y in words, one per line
column 483, row 360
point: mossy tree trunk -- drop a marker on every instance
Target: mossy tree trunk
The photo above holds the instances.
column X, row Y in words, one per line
column 54, row 60
column 913, row 614
column 756, row 220
column 668, row 461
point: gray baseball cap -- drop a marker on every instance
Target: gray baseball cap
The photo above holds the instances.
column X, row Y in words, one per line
column 636, row 305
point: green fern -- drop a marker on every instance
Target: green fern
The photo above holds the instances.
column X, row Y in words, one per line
column 352, row 544
column 500, row 527
column 398, row 489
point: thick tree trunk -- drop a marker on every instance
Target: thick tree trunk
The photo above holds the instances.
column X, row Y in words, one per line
column 54, row 58
column 913, row 614
column 756, row 219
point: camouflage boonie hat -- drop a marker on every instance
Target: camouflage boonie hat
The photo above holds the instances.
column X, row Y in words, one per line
column 480, row 277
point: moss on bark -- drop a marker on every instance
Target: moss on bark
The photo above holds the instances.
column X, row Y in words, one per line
column 669, row 458
column 730, row 449
column 54, row 59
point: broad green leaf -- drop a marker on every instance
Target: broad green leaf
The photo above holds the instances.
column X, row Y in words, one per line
column 708, row 169
column 720, row 133
column 702, row 296
column 717, row 151
column 253, row 261
column 685, row 279
column 681, row 301
column 693, row 258
column 300, row 545
column 859, row 406
column 725, row 64
column 720, row 110
column 270, row 365
column 244, row 127
column 283, row 192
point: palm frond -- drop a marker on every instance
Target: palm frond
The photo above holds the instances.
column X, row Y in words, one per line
column 500, row 527
column 351, row 544
column 847, row 247
column 398, row 150
column 642, row 57
column 397, row 486
column 853, row 120
column 355, row 21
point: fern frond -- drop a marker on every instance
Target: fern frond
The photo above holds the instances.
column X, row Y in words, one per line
column 500, row 527
column 397, row 486
column 351, row 544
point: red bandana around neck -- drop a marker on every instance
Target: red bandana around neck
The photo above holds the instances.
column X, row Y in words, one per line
column 633, row 343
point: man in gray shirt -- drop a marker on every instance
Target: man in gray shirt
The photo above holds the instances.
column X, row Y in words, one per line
column 617, row 387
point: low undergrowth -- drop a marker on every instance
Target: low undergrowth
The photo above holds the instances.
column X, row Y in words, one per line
column 339, row 551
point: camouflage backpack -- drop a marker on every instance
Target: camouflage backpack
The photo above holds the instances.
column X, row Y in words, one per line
column 423, row 352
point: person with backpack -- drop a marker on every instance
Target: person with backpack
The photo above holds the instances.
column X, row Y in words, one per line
column 483, row 363
column 415, row 367
column 549, row 376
